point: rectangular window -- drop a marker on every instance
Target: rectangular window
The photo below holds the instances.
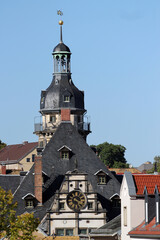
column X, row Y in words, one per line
column 83, row 231
column 102, row 179
column 29, row 203
column 33, row 157
column 61, row 205
column 53, row 119
column 66, row 98
column 60, row 232
column 69, row 232
column 27, row 159
column 65, row 155
column 41, row 144
column 90, row 205
column 125, row 216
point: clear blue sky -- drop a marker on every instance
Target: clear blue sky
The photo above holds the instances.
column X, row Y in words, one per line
column 115, row 59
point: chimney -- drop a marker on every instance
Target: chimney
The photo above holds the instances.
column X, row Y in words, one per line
column 65, row 114
column 3, row 169
column 38, row 179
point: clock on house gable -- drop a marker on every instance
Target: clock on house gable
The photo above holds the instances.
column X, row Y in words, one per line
column 76, row 208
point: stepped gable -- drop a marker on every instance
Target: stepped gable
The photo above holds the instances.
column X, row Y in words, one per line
column 82, row 157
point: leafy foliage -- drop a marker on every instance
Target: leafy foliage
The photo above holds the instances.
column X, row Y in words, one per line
column 112, row 155
column 156, row 162
column 23, row 227
column 2, row 144
column 15, row 228
column 7, row 210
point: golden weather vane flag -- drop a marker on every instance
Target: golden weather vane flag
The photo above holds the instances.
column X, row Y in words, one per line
column 59, row 12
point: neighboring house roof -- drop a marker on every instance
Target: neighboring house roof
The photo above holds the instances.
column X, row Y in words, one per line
column 14, row 153
column 111, row 228
column 145, row 167
column 122, row 170
column 10, row 182
column 83, row 157
column 148, row 181
column 150, row 229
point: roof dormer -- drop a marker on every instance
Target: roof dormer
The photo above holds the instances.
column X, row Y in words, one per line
column 65, row 152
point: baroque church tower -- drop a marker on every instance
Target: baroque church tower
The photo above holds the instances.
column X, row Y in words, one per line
column 60, row 98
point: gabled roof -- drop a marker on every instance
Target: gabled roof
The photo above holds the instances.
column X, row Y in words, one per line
column 148, row 181
column 64, row 147
column 83, row 158
column 150, row 229
column 14, row 153
column 100, row 171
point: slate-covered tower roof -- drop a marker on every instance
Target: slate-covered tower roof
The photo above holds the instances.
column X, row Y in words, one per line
column 61, row 94
column 53, row 98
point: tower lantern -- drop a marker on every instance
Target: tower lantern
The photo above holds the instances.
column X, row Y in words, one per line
column 61, row 56
column 60, row 98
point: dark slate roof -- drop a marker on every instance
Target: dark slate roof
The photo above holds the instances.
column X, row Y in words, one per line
column 10, row 182
column 55, row 169
column 16, row 152
column 61, row 47
column 54, row 95
column 109, row 229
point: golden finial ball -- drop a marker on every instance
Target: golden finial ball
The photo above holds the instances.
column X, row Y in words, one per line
column 60, row 22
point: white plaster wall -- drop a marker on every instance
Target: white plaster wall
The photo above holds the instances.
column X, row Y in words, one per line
column 125, row 202
column 137, row 212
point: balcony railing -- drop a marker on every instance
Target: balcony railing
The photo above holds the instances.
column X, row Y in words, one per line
column 39, row 126
column 84, row 126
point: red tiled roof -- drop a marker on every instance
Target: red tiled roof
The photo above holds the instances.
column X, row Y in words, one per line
column 149, row 229
column 16, row 152
column 150, row 181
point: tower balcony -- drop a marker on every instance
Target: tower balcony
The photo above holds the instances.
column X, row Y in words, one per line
column 42, row 127
column 84, row 126
column 48, row 127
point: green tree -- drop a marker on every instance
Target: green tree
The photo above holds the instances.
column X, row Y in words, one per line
column 157, row 162
column 15, row 228
column 2, row 144
column 112, row 155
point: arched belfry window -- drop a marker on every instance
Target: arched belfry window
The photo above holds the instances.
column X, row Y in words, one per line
column 61, row 63
column 57, row 62
column 64, row 63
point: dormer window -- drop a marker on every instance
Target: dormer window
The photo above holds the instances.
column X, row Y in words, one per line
column 65, row 152
column 66, row 98
column 29, row 200
column 29, row 203
column 101, row 177
column 116, row 202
